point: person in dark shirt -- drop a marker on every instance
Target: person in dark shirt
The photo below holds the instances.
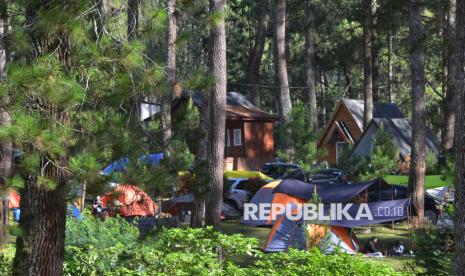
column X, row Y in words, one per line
column 371, row 248
column 97, row 207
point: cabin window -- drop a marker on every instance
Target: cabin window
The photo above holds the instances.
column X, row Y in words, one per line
column 340, row 148
column 238, row 137
column 227, row 141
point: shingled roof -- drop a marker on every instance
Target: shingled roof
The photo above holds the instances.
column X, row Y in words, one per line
column 237, row 106
column 380, row 110
column 401, row 132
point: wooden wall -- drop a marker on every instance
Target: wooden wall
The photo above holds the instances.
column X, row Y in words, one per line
column 342, row 114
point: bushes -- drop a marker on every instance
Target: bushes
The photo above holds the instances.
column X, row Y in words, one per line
column 6, row 259
column 113, row 248
column 435, row 250
column 314, row 262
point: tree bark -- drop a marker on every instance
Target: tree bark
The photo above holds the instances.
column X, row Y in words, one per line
column 323, row 97
column 166, row 99
column 390, row 67
column 257, row 51
column 374, row 51
column 417, row 165
column 201, row 166
column 367, row 64
column 449, row 102
column 133, row 19
column 40, row 248
column 285, row 104
column 217, row 113
column 100, row 17
column 459, row 68
column 6, row 148
column 310, row 64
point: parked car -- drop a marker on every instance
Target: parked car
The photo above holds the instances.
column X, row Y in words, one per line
column 278, row 170
column 330, row 176
column 240, row 191
column 432, row 205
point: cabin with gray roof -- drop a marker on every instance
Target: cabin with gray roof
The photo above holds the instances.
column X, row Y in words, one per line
column 401, row 132
column 345, row 126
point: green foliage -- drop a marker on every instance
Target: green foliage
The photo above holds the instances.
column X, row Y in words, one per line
column 432, row 166
column 448, row 170
column 6, row 259
column 381, row 162
column 300, row 137
column 297, row 262
column 112, row 247
column 435, row 250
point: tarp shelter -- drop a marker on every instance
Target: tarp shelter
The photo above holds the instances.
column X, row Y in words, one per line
column 14, row 199
column 121, row 164
column 130, row 200
column 328, row 193
column 288, row 232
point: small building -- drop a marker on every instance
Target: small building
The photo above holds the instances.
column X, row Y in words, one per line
column 345, row 126
column 249, row 133
column 249, row 140
column 401, row 132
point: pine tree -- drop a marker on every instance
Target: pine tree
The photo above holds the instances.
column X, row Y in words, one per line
column 216, row 112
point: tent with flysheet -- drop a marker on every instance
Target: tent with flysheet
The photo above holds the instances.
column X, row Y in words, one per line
column 130, row 200
column 336, row 232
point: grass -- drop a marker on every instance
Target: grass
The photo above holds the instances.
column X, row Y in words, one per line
column 387, row 237
column 431, row 181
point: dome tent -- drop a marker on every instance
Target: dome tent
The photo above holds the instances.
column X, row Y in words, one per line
column 131, row 201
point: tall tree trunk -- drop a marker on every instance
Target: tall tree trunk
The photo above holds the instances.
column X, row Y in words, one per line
column 348, row 81
column 374, row 51
column 417, row 165
column 201, row 167
column 390, row 67
column 367, row 64
column 285, row 104
column 323, row 97
column 6, row 148
column 133, row 19
column 257, row 51
column 447, row 134
column 167, row 97
column 217, row 113
column 40, row 248
column 99, row 17
column 310, row 65
column 459, row 68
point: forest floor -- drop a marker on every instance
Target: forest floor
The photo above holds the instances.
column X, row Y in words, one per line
column 387, row 237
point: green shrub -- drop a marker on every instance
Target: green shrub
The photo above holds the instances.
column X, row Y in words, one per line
column 92, row 232
column 434, row 250
column 314, row 262
column 117, row 251
column 432, row 166
column 6, row 259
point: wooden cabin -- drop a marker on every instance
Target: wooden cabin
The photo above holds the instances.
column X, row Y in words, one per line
column 249, row 133
column 345, row 126
column 249, row 137
column 401, row 132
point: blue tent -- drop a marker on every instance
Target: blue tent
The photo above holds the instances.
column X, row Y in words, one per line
column 120, row 165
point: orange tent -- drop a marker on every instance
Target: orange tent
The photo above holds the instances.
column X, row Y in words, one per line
column 14, row 199
column 130, row 200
